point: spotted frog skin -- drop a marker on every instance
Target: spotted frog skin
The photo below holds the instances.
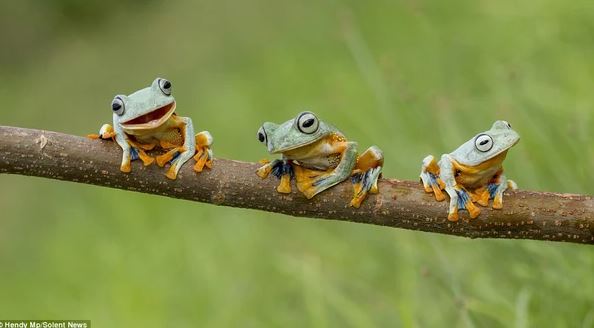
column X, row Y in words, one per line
column 318, row 156
column 473, row 172
column 146, row 120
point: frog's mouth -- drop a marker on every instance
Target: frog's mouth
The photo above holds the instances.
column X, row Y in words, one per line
column 151, row 120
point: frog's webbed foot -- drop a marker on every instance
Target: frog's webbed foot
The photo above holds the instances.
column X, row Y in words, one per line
column 481, row 196
column 282, row 169
column 203, row 156
column 496, row 189
column 462, row 201
column 169, row 156
column 106, row 132
column 430, row 178
column 266, row 168
column 366, row 174
column 312, row 182
column 132, row 153
column 178, row 156
column 363, row 184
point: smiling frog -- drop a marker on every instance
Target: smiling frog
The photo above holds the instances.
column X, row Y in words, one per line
column 146, row 120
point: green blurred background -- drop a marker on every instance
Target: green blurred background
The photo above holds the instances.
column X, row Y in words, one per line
column 413, row 76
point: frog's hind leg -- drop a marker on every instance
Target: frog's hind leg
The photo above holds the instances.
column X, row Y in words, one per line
column 497, row 187
column 460, row 198
column 430, row 178
column 366, row 174
column 169, row 156
column 306, row 179
column 203, row 156
column 313, row 182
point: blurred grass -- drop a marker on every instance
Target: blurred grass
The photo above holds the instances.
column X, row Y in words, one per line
column 414, row 77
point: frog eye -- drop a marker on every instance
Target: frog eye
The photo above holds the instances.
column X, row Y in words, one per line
column 262, row 137
column 165, row 87
column 507, row 123
column 483, row 143
column 117, row 105
column 307, row 123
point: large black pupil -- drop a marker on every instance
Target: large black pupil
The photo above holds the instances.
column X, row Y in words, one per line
column 261, row 137
column 484, row 142
column 166, row 85
column 116, row 106
column 308, row 123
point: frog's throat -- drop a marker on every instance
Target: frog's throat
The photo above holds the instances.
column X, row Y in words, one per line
column 303, row 144
column 151, row 120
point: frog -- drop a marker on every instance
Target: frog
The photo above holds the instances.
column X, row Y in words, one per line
column 318, row 156
column 473, row 172
column 146, row 120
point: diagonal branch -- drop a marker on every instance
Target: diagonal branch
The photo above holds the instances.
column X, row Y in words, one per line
column 401, row 204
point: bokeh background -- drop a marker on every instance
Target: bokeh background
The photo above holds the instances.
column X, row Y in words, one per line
column 413, row 76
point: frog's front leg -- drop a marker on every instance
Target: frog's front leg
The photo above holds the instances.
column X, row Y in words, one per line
column 127, row 151
column 186, row 151
column 498, row 186
column 366, row 174
column 203, row 155
column 430, row 172
column 459, row 197
column 281, row 169
column 313, row 186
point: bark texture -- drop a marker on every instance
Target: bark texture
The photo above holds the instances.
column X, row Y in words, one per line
column 400, row 204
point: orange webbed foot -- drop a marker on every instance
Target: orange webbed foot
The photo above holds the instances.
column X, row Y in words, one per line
column 203, row 159
column 285, row 184
column 168, row 156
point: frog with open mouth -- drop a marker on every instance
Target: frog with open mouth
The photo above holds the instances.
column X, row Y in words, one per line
column 319, row 157
column 146, row 121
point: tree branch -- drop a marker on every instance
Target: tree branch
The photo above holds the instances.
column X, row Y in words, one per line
column 401, row 204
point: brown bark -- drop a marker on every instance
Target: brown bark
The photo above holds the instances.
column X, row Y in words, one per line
column 401, row 204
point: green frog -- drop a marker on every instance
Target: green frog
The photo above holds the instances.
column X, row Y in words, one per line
column 473, row 172
column 146, row 120
column 318, row 156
